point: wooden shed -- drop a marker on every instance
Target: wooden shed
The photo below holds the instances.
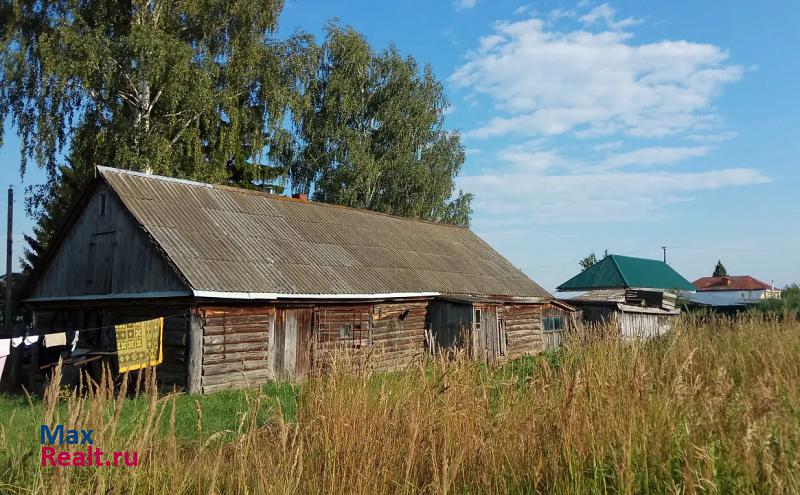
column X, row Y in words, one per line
column 630, row 313
column 634, row 296
column 253, row 286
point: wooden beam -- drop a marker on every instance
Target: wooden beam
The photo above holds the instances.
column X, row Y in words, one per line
column 194, row 350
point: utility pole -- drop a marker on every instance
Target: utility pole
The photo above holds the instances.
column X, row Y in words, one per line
column 665, row 253
column 9, row 249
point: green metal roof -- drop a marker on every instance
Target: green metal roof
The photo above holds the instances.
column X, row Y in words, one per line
column 617, row 271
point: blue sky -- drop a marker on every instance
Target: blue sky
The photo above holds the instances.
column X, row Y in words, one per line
column 589, row 126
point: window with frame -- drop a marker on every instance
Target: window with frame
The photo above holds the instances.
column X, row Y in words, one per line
column 348, row 327
column 477, row 319
column 554, row 320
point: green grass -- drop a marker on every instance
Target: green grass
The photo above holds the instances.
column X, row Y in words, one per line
column 222, row 413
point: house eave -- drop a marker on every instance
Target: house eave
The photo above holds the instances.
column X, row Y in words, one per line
column 106, row 297
column 276, row 296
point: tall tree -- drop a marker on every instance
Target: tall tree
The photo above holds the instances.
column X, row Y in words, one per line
column 373, row 135
column 719, row 270
column 187, row 88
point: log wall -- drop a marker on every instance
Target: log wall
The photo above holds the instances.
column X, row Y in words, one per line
column 235, row 342
column 398, row 334
column 523, row 329
column 343, row 330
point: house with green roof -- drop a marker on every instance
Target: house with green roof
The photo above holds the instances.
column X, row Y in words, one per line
column 634, row 297
column 626, row 272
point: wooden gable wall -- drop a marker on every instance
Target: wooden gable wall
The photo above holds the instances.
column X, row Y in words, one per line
column 105, row 252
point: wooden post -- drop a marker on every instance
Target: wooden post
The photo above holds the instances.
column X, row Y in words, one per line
column 9, row 256
column 194, row 352
column 14, row 365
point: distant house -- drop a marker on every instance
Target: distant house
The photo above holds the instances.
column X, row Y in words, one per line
column 730, row 291
column 634, row 296
column 254, row 286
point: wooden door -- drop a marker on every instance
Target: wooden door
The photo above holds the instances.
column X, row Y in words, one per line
column 289, row 348
column 487, row 343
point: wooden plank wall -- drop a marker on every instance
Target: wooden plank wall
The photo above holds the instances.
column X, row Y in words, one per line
column 523, row 329
column 450, row 323
column 105, row 252
column 235, row 341
column 643, row 325
column 554, row 339
column 398, row 334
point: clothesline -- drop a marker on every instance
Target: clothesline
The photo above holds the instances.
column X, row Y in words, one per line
column 28, row 340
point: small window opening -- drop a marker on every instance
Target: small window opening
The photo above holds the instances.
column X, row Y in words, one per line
column 554, row 323
column 102, row 205
column 345, row 331
column 477, row 319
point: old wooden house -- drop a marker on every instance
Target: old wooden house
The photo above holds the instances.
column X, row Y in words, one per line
column 254, row 286
column 636, row 297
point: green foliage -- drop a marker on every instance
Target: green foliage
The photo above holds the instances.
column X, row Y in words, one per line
column 591, row 260
column 788, row 304
column 719, row 270
column 202, row 90
column 373, row 134
column 174, row 88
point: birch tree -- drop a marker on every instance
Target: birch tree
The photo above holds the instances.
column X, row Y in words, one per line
column 373, row 135
column 183, row 88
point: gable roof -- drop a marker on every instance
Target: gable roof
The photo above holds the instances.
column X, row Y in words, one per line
column 615, row 271
column 230, row 242
column 737, row 282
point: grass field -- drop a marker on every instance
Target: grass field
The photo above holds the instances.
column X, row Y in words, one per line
column 715, row 407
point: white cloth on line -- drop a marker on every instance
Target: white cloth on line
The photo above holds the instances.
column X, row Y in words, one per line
column 55, row 339
column 26, row 341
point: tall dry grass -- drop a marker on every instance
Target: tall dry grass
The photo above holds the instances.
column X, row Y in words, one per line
column 714, row 407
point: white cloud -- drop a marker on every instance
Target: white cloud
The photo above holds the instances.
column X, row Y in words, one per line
column 464, row 4
column 607, row 15
column 611, row 145
column 558, row 86
column 712, row 138
column 523, row 9
column 531, row 197
column 532, row 160
column 656, row 155
column 544, row 81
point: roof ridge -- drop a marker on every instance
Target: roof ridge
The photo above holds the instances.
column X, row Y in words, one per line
column 144, row 175
column 276, row 197
column 619, row 270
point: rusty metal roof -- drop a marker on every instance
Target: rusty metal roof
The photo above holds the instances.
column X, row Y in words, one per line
column 230, row 240
column 730, row 282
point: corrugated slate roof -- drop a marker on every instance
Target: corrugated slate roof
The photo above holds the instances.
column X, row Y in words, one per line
column 617, row 271
column 224, row 239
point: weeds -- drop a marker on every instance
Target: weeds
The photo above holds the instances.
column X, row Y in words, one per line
column 714, row 407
